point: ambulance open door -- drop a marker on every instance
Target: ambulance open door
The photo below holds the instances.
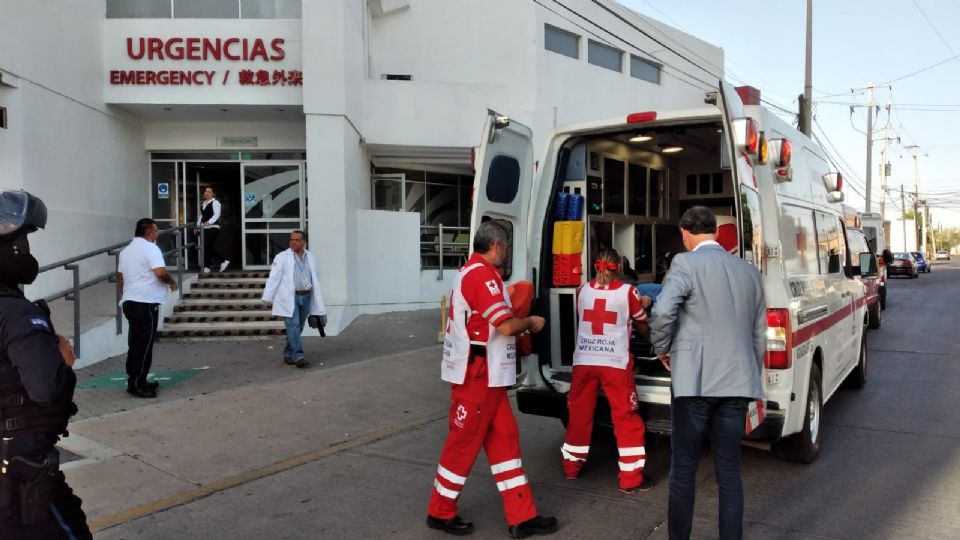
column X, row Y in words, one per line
column 501, row 187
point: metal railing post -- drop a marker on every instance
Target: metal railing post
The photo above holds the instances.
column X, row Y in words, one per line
column 75, row 298
column 203, row 256
column 180, row 253
column 440, row 250
column 117, row 290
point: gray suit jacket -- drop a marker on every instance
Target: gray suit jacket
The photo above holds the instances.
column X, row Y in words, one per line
column 711, row 317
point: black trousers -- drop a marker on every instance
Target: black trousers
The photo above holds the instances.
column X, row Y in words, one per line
column 66, row 519
column 140, row 337
column 209, row 247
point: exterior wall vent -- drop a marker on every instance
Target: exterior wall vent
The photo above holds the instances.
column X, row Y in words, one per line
column 395, row 77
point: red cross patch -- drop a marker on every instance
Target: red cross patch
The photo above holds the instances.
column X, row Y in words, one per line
column 599, row 316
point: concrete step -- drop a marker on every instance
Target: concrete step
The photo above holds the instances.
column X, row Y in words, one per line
column 220, row 317
column 204, row 330
column 210, row 325
column 225, row 294
column 239, row 274
column 219, row 280
column 216, row 304
column 227, row 286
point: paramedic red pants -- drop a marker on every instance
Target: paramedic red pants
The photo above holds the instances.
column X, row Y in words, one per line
column 621, row 392
column 481, row 417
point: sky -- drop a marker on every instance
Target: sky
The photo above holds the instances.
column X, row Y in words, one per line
column 855, row 43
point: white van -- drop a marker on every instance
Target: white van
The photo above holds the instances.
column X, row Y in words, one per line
column 777, row 203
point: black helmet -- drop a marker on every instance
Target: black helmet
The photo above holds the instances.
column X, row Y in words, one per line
column 20, row 211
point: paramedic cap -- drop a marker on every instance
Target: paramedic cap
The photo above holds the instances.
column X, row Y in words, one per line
column 20, row 211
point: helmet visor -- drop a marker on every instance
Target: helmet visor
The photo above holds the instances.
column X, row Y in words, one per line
column 13, row 210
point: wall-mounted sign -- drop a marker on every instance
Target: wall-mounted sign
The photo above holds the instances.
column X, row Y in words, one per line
column 229, row 141
column 250, row 198
column 195, row 49
column 163, row 190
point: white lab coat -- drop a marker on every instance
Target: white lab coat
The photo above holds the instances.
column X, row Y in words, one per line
column 281, row 289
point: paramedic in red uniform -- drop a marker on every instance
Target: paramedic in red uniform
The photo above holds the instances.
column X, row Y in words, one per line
column 607, row 309
column 479, row 359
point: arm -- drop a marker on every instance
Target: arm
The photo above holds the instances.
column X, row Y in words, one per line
column 515, row 326
column 273, row 281
column 166, row 278
column 638, row 314
column 216, row 212
column 36, row 355
column 676, row 288
column 760, row 328
column 120, row 284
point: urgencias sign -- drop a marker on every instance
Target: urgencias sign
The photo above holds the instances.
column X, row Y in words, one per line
column 196, row 49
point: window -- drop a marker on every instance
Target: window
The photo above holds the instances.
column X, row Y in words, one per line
column 830, row 245
column 752, row 240
column 643, row 248
column 206, row 9
column 503, row 180
column 644, row 70
column 656, row 190
column 604, row 56
column 561, row 41
column 440, row 200
column 800, row 254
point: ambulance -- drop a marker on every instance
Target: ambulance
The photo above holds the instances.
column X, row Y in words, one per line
column 623, row 183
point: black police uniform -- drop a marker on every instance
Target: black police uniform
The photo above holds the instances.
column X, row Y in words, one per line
column 210, row 235
column 36, row 401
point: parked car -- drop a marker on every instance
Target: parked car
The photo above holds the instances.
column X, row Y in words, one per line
column 903, row 265
column 864, row 266
column 943, row 255
column 922, row 265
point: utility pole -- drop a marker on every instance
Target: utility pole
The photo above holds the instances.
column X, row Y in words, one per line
column 869, row 144
column 885, row 169
column 806, row 104
column 903, row 217
column 916, row 190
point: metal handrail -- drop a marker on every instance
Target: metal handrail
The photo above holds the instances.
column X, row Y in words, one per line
column 72, row 294
column 452, row 248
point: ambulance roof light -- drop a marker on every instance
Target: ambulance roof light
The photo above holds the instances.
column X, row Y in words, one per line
column 641, row 117
column 749, row 95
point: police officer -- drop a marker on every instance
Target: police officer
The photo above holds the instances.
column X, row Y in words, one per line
column 36, row 391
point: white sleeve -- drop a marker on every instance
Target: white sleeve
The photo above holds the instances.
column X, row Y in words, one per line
column 216, row 212
column 155, row 258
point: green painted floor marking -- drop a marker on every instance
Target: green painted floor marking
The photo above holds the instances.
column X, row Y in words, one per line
column 118, row 379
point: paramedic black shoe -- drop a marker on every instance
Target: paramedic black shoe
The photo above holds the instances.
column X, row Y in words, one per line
column 455, row 526
column 142, row 392
column 539, row 525
column 224, row 265
column 151, row 385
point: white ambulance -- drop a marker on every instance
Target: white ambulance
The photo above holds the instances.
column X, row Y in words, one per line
column 778, row 206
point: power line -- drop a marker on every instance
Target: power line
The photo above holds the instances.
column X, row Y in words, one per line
column 939, row 35
column 919, row 71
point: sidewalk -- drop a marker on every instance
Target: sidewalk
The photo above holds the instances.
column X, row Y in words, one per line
column 229, row 412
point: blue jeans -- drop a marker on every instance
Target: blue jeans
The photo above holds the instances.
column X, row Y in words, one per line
column 294, row 324
column 693, row 419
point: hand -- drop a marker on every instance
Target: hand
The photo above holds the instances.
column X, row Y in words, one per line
column 665, row 360
column 646, row 301
column 536, row 323
column 173, row 287
column 66, row 350
column 323, row 320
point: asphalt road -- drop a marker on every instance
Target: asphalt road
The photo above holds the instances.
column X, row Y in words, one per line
column 889, row 468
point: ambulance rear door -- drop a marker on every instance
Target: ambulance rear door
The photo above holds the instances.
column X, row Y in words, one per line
column 501, row 187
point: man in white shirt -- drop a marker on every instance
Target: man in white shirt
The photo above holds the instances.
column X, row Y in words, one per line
column 294, row 290
column 210, row 221
column 143, row 278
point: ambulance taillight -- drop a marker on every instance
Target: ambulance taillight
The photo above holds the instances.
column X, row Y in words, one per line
column 779, row 339
column 747, row 135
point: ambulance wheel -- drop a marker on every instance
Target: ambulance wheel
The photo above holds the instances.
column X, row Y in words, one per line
column 873, row 316
column 858, row 377
column 804, row 447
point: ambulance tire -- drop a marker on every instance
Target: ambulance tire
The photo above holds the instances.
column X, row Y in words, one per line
column 857, row 378
column 804, row 447
column 883, row 297
column 873, row 317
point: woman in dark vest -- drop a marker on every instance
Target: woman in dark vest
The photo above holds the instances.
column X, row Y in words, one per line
column 210, row 221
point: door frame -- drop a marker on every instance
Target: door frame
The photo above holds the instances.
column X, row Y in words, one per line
column 302, row 210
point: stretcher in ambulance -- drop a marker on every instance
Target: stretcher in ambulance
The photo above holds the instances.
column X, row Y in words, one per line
column 624, row 183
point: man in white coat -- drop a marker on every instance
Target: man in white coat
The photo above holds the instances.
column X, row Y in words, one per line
column 294, row 290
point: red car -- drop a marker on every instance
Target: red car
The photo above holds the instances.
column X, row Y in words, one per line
column 904, row 265
column 866, row 268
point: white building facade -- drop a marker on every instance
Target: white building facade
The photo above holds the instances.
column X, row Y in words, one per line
column 351, row 119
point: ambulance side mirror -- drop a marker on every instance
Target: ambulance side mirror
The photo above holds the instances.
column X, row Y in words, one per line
column 868, row 265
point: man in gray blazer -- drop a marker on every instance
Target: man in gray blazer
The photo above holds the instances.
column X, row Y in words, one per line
column 709, row 329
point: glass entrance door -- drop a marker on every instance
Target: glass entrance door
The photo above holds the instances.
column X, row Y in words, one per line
column 273, row 206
